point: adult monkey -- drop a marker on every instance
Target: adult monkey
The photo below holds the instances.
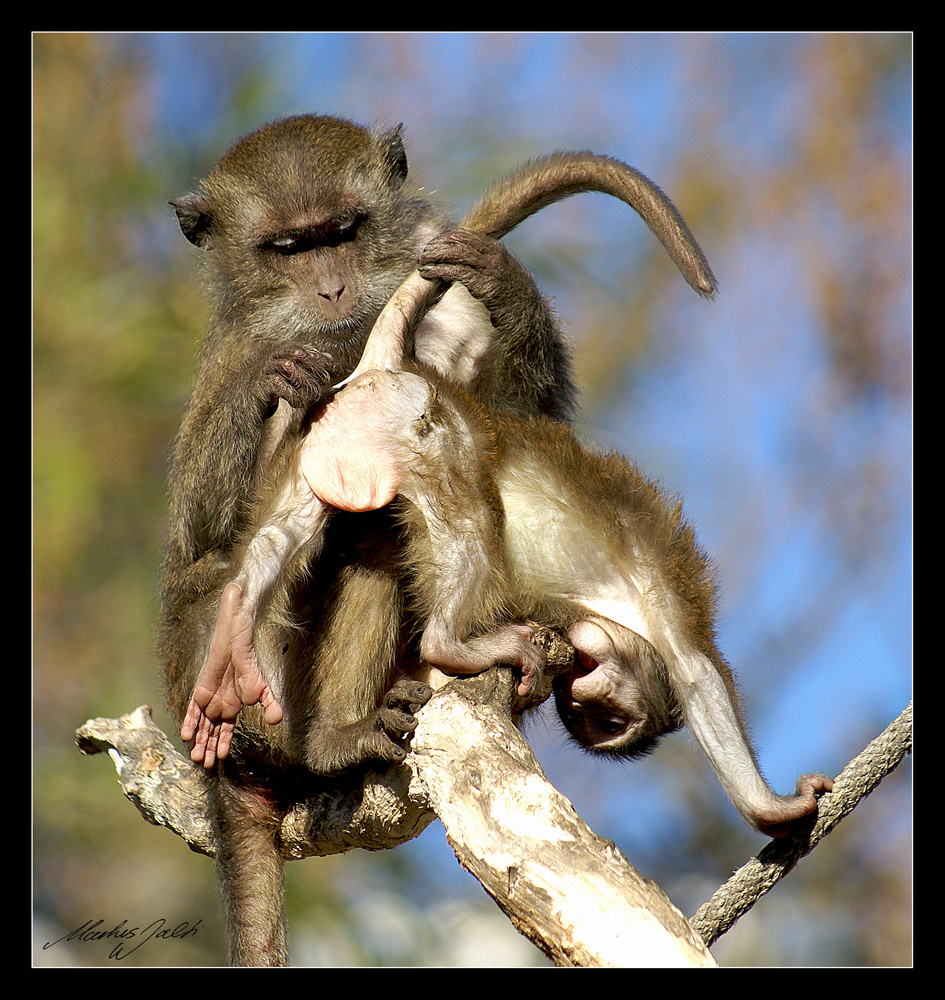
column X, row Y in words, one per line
column 308, row 230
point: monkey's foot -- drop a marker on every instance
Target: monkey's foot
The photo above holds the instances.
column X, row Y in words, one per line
column 780, row 820
column 531, row 662
column 396, row 718
column 230, row 679
column 332, row 749
column 559, row 659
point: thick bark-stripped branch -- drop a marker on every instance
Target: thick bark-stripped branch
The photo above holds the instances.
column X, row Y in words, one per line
column 570, row 892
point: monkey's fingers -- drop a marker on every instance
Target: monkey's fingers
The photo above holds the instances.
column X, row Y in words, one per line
column 299, row 375
column 208, row 726
column 532, row 661
column 413, row 694
column 791, row 810
column 188, row 728
column 249, row 685
column 813, row 785
column 396, row 717
column 204, row 749
column 212, row 742
column 204, row 708
column 240, row 682
column 271, row 708
column 224, row 737
column 479, row 263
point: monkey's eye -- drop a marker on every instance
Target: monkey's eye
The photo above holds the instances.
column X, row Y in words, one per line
column 569, row 715
column 610, row 724
column 292, row 243
column 288, row 245
column 342, row 230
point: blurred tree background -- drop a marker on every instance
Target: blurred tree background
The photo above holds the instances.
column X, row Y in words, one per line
column 781, row 412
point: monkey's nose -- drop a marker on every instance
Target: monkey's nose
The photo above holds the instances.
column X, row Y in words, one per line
column 333, row 295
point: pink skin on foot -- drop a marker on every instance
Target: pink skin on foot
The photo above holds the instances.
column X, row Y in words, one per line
column 229, row 680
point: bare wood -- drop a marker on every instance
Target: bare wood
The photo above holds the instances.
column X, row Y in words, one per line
column 163, row 785
column 569, row 891
column 559, row 884
column 372, row 811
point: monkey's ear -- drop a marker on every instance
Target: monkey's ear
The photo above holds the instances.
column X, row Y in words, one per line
column 194, row 215
column 392, row 149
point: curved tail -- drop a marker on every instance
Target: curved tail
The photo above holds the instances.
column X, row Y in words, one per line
column 551, row 178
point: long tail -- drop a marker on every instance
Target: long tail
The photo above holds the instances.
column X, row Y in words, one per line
column 551, row 178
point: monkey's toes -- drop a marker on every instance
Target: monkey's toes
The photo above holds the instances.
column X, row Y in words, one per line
column 814, row 784
column 409, row 694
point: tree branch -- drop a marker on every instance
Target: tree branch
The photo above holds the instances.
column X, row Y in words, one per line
column 372, row 810
column 569, row 891
column 572, row 893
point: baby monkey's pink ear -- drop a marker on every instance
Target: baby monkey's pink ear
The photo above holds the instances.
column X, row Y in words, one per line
column 345, row 459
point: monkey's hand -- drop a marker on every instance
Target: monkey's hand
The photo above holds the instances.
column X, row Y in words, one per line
column 299, row 375
column 488, row 272
column 780, row 820
column 512, row 645
column 230, row 679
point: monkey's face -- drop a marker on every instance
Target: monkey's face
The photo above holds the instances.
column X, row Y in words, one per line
column 602, row 707
column 306, row 228
column 322, row 269
column 615, row 699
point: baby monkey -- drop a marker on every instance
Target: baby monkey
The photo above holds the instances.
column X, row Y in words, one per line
column 506, row 519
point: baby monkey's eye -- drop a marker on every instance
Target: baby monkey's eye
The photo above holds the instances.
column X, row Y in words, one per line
column 610, row 724
column 423, row 425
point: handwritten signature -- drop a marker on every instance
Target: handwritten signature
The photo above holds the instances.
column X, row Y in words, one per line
column 121, row 932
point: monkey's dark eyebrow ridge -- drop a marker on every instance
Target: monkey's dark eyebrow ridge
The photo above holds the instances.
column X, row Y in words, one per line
column 328, row 234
